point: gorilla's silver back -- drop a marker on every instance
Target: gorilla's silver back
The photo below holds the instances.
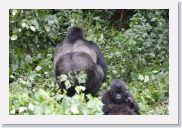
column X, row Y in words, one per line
column 78, row 46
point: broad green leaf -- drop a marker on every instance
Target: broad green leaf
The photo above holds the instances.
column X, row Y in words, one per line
column 38, row 68
column 23, row 25
column 140, row 77
column 32, row 28
column 146, row 78
column 28, row 59
column 22, row 109
column 31, row 107
column 14, row 12
column 14, row 37
column 74, row 109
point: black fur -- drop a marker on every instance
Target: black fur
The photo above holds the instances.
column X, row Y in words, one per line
column 118, row 109
column 119, row 96
column 75, row 53
column 74, row 34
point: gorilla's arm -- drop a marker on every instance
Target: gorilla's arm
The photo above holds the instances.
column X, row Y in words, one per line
column 55, row 58
column 106, row 98
column 133, row 103
column 100, row 59
column 106, row 109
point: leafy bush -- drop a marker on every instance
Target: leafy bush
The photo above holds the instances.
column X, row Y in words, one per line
column 137, row 53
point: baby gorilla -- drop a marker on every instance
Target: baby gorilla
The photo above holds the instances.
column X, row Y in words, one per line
column 118, row 99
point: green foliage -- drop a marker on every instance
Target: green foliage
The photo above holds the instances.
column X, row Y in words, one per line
column 72, row 78
column 138, row 54
column 36, row 93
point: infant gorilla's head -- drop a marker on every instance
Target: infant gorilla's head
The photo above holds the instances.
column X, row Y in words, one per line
column 118, row 91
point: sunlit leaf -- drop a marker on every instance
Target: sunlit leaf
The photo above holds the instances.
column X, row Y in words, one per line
column 14, row 37
column 32, row 28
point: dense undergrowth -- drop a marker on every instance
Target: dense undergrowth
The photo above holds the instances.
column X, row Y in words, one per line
column 135, row 46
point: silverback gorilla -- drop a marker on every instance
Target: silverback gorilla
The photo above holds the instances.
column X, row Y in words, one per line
column 118, row 101
column 74, row 54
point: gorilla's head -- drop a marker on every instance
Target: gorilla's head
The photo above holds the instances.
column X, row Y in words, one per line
column 118, row 89
column 75, row 33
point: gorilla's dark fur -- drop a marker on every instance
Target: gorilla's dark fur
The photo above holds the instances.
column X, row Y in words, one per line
column 75, row 53
column 118, row 99
column 118, row 109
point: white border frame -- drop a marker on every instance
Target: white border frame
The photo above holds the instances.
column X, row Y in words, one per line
column 172, row 5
